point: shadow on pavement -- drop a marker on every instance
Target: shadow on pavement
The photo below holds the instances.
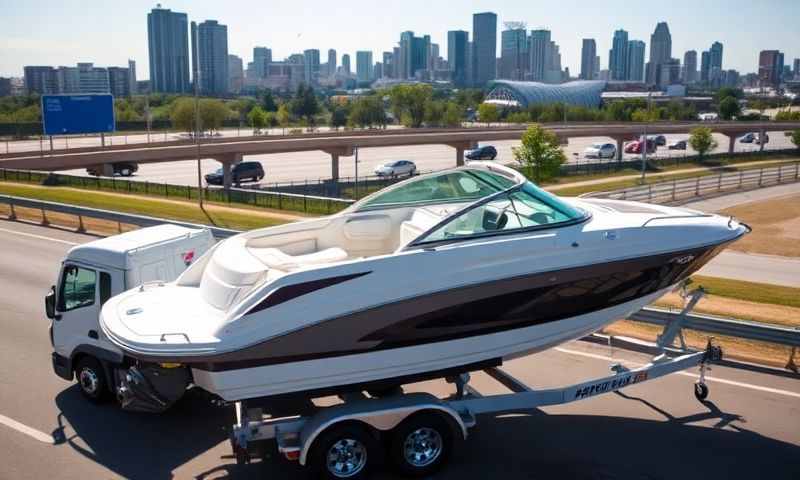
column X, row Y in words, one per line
column 528, row 445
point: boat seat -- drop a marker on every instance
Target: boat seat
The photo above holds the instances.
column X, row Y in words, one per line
column 274, row 258
column 421, row 220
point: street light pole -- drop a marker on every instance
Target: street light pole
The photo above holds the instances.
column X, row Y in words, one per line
column 355, row 191
column 645, row 143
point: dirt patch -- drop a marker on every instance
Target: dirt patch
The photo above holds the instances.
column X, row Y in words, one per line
column 67, row 222
column 776, row 226
column 741, row 309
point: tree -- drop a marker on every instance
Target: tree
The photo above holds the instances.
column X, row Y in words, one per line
column 518, row 117
column 408, row 103
column 726, row 92
column 268, row 101
column 305, row 104
column 283, row 117
column 701, row 140
column 434, row 113
column 257, row 118
column 795, row 138
column 182, row 115
column 540, row 153
column 487, row 112
column 212, row 113
column 338, row 116
column 729, row 108
column 453, row 115
column 367, row 112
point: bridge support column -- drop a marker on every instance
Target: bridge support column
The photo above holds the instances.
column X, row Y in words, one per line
column 762, row 134
column 620, row 147
column 335, row 153
column 108, row 170
column 228, row 161
column 731, row 143
column 460, row 147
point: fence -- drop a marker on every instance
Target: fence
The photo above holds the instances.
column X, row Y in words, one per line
column 260, row 198
column 672, row 191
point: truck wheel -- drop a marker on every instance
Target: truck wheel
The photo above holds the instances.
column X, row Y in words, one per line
column 421, row 444
column 92, row 380
column 345, row 451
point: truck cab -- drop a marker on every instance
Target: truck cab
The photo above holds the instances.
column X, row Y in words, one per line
column 92, row 273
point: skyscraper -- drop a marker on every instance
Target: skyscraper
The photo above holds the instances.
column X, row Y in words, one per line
column 689, row 71
column 346, row 63
column 513, row 53
column 414, row 55
column 388, row 64
column 618, row 56
column 168, row 47
column 364, row 66
column 457, row 41
column 588, row 57
column 262, row 57
column 311, row 61
column 119, row 83
column 132, row 87
column 484, row 47
column 660, row 51
column 715, row 59
column 539, row 54
column 210, row 50
column 797, row 68
column 331, row 62
column 705, row 66
column 770, row 68
column 235, row 74
column 636, row 60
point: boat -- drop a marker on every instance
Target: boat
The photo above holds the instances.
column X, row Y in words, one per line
column 433, row 276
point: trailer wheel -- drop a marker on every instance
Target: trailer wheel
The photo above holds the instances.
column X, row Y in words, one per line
column 345, row 451
column 700, row 391
column 92, row 380
column 421, row 444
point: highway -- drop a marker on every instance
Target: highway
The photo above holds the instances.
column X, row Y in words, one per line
column 314, row 165
column 749, row 428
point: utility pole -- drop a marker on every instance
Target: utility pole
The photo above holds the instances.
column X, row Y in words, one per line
column 646, row 142
column 355, row 190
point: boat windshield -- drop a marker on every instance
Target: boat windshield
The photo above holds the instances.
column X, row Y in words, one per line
column 525, row 207
column 454, row 186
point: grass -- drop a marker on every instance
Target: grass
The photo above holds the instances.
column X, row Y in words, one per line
column 776, row 226
column 749, row 291
column 169, row 209
column 632, row 182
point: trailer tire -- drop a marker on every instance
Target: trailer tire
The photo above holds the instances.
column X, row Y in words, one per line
column 422, row 444
column 91, row 379
column 358, row 449
column 700, row 391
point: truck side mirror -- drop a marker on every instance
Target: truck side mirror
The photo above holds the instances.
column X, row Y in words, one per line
column 50, row 303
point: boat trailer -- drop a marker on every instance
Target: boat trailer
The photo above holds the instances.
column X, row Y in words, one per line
column 418, row 431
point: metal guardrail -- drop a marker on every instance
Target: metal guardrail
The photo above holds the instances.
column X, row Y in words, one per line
column 723, row 326
column 679, row 190
column 118, row 217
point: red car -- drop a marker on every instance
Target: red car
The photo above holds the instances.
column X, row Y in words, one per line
column 636, row 146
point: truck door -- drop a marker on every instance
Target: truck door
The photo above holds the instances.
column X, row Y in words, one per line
column 81, row 292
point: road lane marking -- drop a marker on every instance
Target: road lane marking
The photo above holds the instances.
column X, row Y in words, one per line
column 687, row 374
column 40, row 237
column 29, row 431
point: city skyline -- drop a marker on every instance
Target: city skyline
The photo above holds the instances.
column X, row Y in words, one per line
column 741, row 50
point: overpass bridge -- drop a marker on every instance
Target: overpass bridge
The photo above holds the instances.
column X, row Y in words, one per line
column 229, row 151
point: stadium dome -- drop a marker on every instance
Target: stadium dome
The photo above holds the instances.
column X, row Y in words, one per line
column 584, row 93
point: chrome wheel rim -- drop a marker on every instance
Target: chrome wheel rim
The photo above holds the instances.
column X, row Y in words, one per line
column 346, row 458
column 89, row 381
column 422, row 447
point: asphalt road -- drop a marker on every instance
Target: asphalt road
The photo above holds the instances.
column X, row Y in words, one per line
column 749, row 428
column 315, row 165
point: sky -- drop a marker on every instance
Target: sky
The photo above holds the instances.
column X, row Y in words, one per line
column 40, row 32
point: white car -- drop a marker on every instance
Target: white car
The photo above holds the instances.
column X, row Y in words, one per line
column 601, row 150
column 396, row 168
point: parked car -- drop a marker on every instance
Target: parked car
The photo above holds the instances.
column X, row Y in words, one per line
column 600, row 150
column 123, row 169
column 396, row 169
column 244, row 171
column 636, row 146
column 677, row 145
column 747, row 138
column 487, row 152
